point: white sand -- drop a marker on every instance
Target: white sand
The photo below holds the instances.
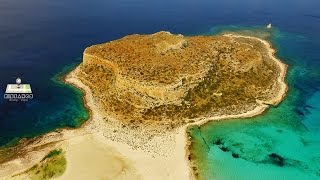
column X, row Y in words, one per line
column 89, row 157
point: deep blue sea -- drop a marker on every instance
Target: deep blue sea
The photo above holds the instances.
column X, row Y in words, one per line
column 41, row 40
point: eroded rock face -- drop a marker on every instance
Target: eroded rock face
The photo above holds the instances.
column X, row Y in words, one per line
column 167, row 78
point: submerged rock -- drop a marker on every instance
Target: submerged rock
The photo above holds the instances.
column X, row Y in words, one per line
column 224, row 149
column 218, row 141
column 299, row 112
column 277, row 159
column 235, row 155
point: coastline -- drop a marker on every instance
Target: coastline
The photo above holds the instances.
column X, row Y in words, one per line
column 283, row 70
column 263, row 104
column 172, row 165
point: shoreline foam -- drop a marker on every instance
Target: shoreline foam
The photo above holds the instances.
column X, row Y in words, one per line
column 174, row 165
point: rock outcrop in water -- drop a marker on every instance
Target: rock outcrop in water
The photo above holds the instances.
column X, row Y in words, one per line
column 170, row 79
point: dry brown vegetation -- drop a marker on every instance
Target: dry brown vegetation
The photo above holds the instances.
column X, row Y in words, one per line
column 169, row 79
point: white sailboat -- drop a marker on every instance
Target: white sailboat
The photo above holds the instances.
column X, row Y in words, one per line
column 269, row 26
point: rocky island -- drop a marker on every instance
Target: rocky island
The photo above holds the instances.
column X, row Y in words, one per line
column 170, row 80
column 144, row 90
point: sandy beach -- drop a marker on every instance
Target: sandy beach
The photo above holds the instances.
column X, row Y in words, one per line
column 93, row 151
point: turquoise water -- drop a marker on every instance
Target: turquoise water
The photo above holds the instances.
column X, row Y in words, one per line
column 282, row 143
